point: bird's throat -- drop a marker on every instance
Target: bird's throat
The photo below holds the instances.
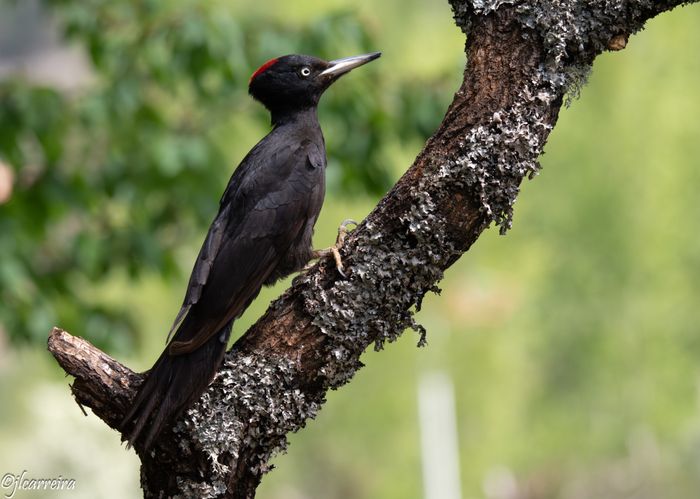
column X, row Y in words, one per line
column 283, row 116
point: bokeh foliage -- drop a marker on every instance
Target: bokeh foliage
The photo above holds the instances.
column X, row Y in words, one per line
column 114, row 177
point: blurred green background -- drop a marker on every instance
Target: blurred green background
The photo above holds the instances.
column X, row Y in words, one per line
column 573, row 343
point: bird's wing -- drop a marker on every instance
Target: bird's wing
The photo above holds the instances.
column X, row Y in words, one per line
column 202, row 266
column 241, row 189
column 263, row 210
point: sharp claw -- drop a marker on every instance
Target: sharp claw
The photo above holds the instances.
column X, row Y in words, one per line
column 343, row 231
column 338, row 261
column 334, row 250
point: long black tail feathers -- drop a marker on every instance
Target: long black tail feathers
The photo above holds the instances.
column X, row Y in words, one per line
column 173, row 384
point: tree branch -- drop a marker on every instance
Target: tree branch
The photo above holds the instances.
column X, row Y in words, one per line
column 101, row 383
column 522, row 59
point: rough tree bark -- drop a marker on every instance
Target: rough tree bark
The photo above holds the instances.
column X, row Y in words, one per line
column 523, row 57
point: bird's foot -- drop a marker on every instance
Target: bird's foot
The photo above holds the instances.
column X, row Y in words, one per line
column 335, row 249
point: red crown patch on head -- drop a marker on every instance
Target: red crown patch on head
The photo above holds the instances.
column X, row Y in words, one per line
column 262, row 69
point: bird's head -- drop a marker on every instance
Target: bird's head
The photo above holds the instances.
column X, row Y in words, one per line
column 294, row 82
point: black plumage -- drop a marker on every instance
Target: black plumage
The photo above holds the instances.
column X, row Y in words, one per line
column 261, row 233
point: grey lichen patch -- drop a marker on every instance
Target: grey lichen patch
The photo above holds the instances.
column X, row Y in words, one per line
column 389, row 274
column 250, row 406
column 574, row 31
column 497, row 155
column 201, row 490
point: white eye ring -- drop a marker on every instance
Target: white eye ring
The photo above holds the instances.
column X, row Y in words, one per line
column 305, row 71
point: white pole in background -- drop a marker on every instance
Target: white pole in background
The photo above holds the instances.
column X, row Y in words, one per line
column 438, row 431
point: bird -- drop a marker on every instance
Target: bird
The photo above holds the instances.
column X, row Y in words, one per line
column 261, row 233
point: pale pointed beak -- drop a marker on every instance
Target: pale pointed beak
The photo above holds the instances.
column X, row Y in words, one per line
column 341, row 66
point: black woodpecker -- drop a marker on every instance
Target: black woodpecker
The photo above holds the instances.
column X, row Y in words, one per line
column 261, row 233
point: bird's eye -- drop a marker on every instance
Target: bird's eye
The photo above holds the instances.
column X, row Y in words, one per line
column 305, row 71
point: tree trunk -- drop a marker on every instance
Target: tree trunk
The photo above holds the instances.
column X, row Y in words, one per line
column 523, row 57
